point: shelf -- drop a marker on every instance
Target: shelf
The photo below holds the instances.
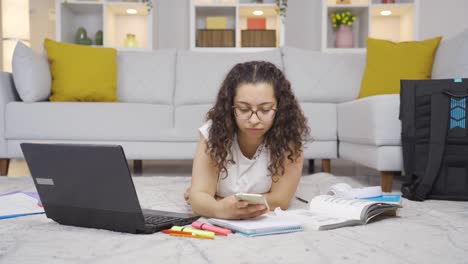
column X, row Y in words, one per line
column 110, row 16
column 353, row 2
column 230, row 49
column 118, row 23
column 396, row 9
column 360, row 27
column 74, row 16
column 399, row 26
column 215, row 2
column 237, row 14
column 258, row 5
column 350, row 6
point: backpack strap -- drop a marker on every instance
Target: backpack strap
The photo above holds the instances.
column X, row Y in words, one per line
column 440, row 112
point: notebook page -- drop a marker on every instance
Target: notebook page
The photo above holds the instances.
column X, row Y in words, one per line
column 266, row 222
column 18, row 203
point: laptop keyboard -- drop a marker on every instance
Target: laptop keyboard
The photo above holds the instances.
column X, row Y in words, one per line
column 156, row 222
column 158, row 219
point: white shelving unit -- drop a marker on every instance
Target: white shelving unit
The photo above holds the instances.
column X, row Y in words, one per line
column 110, row 16
column 237, row 12
column 399, row 26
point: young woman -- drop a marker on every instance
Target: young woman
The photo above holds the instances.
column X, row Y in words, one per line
column 252, row 142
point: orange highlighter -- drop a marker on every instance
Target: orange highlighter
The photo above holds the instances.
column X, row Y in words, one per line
column 217, row 230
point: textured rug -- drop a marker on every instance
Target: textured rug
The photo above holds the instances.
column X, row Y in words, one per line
column 428, row 232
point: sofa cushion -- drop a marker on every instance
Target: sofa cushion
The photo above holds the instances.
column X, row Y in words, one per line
column 82, row 73
column 389, row 62
column 323, row 77
column 199, row 74
column 87, row 121
column 321, row 118
column 451, row 60
column 372, row 120
column 31, row 74
column 146, row 76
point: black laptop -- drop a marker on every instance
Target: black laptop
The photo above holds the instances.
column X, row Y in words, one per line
column 91, row 186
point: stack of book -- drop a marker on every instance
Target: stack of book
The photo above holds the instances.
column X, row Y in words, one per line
column 216, row 33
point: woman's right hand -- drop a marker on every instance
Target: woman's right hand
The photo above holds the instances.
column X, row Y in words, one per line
column 231, row 208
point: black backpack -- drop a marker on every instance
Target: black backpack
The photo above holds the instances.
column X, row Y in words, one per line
column 434, row 139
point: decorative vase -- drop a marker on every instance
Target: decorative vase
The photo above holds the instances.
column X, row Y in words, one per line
column 98, row 38
column 344, row 37
column 81, row 37
column 130, row 41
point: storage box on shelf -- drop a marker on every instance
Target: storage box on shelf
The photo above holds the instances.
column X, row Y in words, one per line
column 235, row 15
column 396, row 24
column 116, row 18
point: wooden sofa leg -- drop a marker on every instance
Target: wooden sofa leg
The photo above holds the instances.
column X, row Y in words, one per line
column 138, row 167
column 326, row 165
column 386, row 180
column 4, row 166
column 311, row 166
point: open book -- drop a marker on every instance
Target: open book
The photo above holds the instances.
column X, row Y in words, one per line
column 266, row 224
column 328, row 212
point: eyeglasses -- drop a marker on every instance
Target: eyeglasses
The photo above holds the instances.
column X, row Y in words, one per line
column 262, row 114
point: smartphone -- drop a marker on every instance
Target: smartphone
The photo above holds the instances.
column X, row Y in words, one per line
column 253, row 198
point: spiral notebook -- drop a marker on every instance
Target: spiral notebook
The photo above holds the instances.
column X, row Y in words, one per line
column 267, row 224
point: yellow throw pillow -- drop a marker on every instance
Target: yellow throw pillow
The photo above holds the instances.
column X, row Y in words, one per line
column 389, row 62
column 82, row 73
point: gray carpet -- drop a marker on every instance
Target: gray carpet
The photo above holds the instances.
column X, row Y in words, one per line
column 428, row 232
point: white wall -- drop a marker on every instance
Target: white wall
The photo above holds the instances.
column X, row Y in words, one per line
column 172, row 28
column 41, row 24
column 303, row 24
column 442, row 18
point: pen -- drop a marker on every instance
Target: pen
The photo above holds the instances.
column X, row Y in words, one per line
column 217, row 230
column 193, row 236
column 302, row 200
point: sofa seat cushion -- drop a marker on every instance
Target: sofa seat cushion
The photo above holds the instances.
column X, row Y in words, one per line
column 199, row 75
column 189, row 118
column 323, row 77
column 89, row 121
column 372, row 120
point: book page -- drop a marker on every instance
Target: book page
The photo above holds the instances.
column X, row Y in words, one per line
column 340, row 208
column 316, row 221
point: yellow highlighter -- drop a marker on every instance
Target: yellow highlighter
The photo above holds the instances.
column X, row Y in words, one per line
column 194, row 231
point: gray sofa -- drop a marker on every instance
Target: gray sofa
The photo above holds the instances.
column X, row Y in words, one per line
column 164, row 95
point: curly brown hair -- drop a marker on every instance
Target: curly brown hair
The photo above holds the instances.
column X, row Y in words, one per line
column 289, row 130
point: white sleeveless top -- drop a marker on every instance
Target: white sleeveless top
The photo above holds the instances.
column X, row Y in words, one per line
column 246, row 175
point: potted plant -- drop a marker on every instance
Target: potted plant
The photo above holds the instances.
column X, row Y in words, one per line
column 149, row 4
column 343, row 22
column 281, row 6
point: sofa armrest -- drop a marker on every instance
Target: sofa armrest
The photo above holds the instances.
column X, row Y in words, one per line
column 7, row 94
column 372, row 121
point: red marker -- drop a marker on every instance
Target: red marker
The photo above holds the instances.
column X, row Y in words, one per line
column 217, row 230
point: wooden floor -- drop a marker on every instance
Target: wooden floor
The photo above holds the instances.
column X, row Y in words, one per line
column 184, row 168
